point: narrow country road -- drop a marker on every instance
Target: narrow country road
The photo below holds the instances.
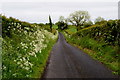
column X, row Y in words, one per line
column 67, row 61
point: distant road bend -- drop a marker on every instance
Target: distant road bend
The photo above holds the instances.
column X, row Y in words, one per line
column 67, row 61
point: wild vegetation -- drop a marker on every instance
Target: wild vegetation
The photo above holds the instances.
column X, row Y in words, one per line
column 101, row 41
column 26, row 46
column 25, row 49
column 0, row 47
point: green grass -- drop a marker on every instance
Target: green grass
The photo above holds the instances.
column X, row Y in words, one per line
column 71, row 30
column 0, row 57
column 25, row 48
column 26, row 56
column 55, row 27
column 42, row 59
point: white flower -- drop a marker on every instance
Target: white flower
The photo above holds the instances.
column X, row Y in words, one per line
column 20, row 59
column 8, row 26
column 27, row 68
column 32, row 53
column 14, row 74
column 27, row 75
column 18, row 63
column 23, row 58
column 25, row 32
column 13, row 28
column 30, row 64
column 14, row 60
column 21, row 65
column 26, row 63
column 4, row 67
column 27, row 28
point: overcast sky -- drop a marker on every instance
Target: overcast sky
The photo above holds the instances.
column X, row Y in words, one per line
column 39, row 10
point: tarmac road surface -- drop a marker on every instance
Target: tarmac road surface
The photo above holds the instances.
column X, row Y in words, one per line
column 67, row 61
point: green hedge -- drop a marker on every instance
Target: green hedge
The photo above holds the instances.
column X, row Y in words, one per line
column 107, row 31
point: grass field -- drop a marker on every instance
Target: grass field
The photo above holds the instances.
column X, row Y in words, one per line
column 71, row 30
column 55, row 27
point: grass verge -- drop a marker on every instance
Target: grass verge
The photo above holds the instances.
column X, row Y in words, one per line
column 43, row 58
column 107, row 55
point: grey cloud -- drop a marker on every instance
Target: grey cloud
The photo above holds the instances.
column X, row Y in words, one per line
column 38, row 12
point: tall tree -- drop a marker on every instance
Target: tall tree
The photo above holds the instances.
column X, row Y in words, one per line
column 62, row 23
column 99, row 19
column 61, row 18
column 78, row 18
column 50, row 23
column 87, row 24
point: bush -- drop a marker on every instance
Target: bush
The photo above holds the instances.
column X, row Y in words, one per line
column 103, row 39
column 26, row 50
column 107, row 32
